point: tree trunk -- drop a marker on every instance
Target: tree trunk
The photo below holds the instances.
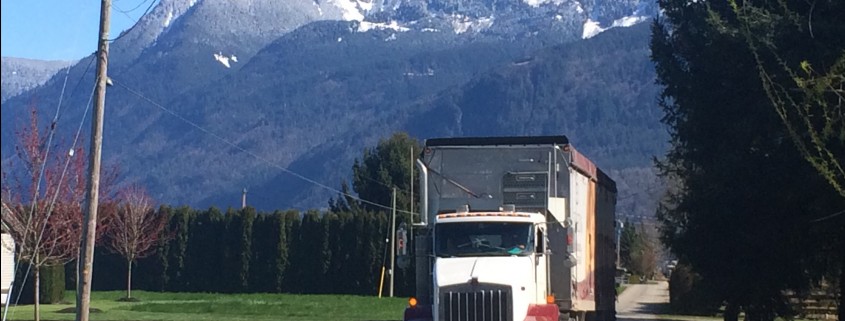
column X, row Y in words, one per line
column 842, row 289
column 731, row 312
column 36, row 277
column 129, row 281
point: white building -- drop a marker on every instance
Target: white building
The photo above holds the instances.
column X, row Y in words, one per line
column 7, row 261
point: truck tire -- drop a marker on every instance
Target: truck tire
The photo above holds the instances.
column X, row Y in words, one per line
column 574, row 316
column 590, row 316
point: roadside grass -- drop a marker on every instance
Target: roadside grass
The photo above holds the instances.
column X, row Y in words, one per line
column 214, row 306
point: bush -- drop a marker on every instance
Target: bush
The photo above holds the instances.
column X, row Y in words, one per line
column 52, row 285
column 689, row 295
column 635, row 279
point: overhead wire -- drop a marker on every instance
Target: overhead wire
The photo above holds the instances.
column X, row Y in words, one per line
column 126, row 32
column 254, row 155
column 825, row 218
column 130, row 10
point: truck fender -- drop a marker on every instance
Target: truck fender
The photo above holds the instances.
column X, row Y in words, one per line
column 542, row 312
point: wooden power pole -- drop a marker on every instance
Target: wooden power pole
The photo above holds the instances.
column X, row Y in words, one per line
column 89, row 227
column 393, row 244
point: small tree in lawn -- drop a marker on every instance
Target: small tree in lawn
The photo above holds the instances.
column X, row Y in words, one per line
column 136, row 229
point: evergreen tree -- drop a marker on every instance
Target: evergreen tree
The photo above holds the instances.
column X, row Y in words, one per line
column 294, row 275
column 281, row 261
column 743, row 213
column 263, row 253
column 205, row 244
column 179, row 226
column 384, row 167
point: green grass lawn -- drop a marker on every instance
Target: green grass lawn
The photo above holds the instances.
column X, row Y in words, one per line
column 212, row 306
column 620, row 289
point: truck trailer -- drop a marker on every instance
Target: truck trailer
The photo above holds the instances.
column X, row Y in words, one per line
column 513, row 229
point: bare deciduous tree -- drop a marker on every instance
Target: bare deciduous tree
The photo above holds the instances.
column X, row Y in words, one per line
column 136, row 229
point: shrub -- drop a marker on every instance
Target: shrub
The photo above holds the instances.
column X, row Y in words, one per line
column 688, row 294
column 52, row 285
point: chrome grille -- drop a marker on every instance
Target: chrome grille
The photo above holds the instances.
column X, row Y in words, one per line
column 476, row 305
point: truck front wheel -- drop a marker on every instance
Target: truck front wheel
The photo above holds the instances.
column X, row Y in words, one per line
column 574, row 316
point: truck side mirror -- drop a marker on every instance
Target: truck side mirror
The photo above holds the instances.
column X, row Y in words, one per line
column 541, row 242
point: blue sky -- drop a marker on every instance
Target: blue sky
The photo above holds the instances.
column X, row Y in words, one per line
column 60, row 29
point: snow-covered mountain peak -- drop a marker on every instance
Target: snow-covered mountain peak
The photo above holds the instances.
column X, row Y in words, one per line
column 499, row 17
column 148, row 29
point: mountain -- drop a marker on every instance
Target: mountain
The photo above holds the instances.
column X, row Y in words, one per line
column 21, row 74
column 598, row 92
column 305, row 86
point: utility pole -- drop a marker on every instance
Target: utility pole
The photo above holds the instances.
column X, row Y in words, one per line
column 89, row 227
column 412, row 195
column 392, row 242
column 619, row 226
column 243, row 199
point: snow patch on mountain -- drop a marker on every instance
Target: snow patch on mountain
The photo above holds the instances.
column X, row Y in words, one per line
column 168, row 12
column 351, row 9
column 224, row 60
column 592, row 28
column 168, row 18
column 365, row 5
column 365, row 26
column 461, row 23
column 629, row 21
column 319, row 10
column 535, row 3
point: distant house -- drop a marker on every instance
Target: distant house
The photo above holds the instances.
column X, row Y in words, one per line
column 7, row 260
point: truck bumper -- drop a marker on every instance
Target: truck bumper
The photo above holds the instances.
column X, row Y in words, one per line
column 418, row 313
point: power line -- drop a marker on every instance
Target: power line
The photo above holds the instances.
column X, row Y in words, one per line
column 126, row 32
column 254, row 155
column 828, row 217
column 130, row 10
column 46, row 152
column 78, row 82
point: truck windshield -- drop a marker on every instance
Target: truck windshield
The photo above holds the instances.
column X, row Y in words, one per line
column 483, row 239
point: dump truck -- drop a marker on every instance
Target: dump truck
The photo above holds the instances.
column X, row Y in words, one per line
column 512, row 229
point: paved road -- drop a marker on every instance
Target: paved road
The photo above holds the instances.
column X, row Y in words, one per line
column 643, row 301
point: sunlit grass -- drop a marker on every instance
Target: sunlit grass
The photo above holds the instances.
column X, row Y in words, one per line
column 212, row 306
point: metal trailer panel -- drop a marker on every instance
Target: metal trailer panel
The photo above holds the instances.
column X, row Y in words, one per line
column 498, row 141
column 581, row 214
column 591, row 205
column 560, row 272
column 605, row 211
